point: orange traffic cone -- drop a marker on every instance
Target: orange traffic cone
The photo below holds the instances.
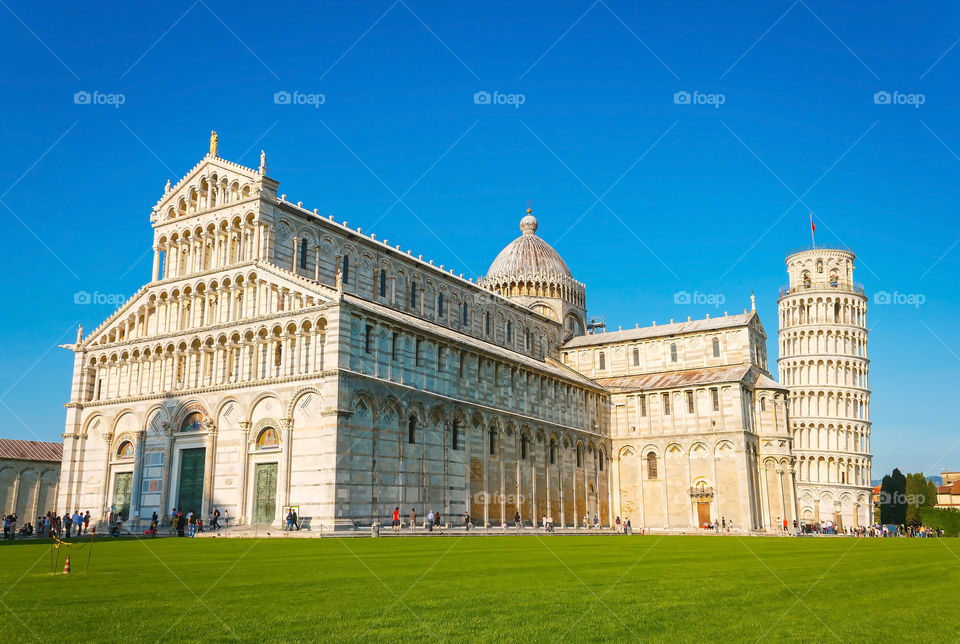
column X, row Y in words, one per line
column 66, row 566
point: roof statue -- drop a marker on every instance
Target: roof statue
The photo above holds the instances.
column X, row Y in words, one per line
column 263, row 162
column 213, row 143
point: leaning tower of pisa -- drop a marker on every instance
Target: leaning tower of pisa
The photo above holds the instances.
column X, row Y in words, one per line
column 824, row 365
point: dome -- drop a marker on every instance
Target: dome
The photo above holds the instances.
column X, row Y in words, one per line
column 528, row 255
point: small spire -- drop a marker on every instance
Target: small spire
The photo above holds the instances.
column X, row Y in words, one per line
column 263, row 163
column 213, row 143
column 753, row 301
column 166, row 188
column 79, row 333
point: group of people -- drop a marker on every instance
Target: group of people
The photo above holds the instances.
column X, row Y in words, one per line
column 432, row 522
column 293, row 521
column 48, row 525
column 726, row 526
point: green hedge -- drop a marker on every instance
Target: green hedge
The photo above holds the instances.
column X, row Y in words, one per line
column 946, row 519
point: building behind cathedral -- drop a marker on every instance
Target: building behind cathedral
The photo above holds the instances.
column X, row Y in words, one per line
column 278, row 358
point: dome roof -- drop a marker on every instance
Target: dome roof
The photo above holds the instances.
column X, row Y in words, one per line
column 528, row 255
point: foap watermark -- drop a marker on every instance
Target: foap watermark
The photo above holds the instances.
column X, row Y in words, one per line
column 696, row 97
column 86, row 297
column 899, row 498
column 909, row 299
column 296, row 97
column 896, row 97
column 511, row 500
column 96, row 97
column 484, row 97
column 698, row 298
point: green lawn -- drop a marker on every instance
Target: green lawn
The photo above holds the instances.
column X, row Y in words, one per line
column 492, row 588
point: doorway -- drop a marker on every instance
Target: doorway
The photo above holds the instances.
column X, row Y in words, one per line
column 265, row 493
column 190, row 483
column 703, row 513
column 122, row 484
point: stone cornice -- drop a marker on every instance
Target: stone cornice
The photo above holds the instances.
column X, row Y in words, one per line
column 195, row 391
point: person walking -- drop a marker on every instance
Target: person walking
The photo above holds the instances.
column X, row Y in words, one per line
column 67, row 523
column 396, row 519
column 430, row 521
column 436, row 520
column 517, row 521
column 466, row 521
column 86, row 520
column 215, row 523
column 296, row 520
column 77, row 522
column 413, row 519
column 289, row 526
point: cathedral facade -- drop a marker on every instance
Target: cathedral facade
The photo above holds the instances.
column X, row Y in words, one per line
column 278, row 358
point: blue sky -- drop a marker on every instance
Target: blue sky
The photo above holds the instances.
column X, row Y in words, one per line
column 643, row 193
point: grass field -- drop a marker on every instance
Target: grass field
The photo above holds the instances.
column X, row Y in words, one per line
column 492, row 588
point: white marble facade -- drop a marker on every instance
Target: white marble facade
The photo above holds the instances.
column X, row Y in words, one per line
column 279, row 358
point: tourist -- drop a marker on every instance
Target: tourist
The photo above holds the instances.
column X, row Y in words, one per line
column 191, row 524
column 466, row 521
column 289, row 526
column 215, row 521
column 784, row 525
column 86, row 520
column 226, row 518
column 436, row 520
column 517, row 521
column 430, row 521
column 199, row 524
column 296, row 520
column 181, row 522
column 627, row 527
column 67, row 524
column 154, row 518
column 77, row 522
column 413, row 519
column 396, row 519
column 618, row 524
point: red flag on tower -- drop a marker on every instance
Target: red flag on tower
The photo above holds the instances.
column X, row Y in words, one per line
column 813, row 228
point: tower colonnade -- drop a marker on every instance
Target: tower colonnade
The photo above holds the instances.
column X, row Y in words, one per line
column 825, row 366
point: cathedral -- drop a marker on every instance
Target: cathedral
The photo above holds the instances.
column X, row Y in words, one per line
column 280, row 359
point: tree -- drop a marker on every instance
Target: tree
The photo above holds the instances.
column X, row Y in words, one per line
column 886, row 498
column 918, row 495
column 899, row 501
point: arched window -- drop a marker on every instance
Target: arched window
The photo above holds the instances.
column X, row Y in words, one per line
column 833, row 280
column 601, row 459
column 303, row 253
column 651, row 465
column 603, row 361
column 636, row 357
column 267, row 438
column 412, row 429
column 486, row 322
column 523, row 447
column 455, row 435
column 413, row 294
column 440, row 310
column 553, row 451
column 509, row 331
column 819, row 265
column 345, row 273
column 368, row 339
column 806, row 280
column 465, row 314
column 673, row 353
column 716, row 347
column 125, row 450
column 579, row 455
column 383, row 283
column 493, row 441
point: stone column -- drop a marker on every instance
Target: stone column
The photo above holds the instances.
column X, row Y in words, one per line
column 209, row 468
column 245, row 428
column 283, row 475
column 316, row 263
column 137, row 477
column 156, row 264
